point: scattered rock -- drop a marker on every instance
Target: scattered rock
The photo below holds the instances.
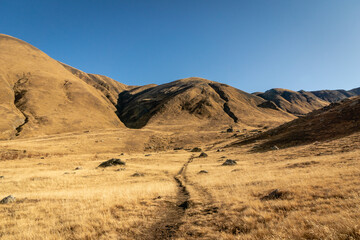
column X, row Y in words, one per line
column 8, row 199
column 229, row 162
column 1, row 177
column 203, row 155
column 42, row 158
column 138, row 175
column 78, row 168
column 121, row 154
column 185, row 205
column 120, row 169
column 112, row 162
column 220, row 150
column 196, row 149
column 230, row 130
column 203, row 171
column 147, row 155
column 223, row 157
column 275, row 147
column 254, row 131
column 69, row 172
column 178, row 148
column 273, row 195
column 158, row 197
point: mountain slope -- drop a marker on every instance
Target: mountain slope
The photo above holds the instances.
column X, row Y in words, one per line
column 107, row 86
column 303, row 102
column 297, row 103
column 355, row 91
column 336, row 95
column 193, row 101
column 39, row 96
column 334, row 121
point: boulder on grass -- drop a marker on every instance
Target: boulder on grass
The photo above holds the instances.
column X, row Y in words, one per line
column 8, row 199
column 275, row 194
column 138, row 174
column 203, row 155
column 230, row 130
column 112, row 162
column 196, row 149
column 275, row 147
column 229, row 162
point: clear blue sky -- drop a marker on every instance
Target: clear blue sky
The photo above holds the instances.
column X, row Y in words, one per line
column 253, row 45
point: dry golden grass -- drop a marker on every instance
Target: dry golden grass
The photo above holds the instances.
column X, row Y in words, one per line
column 321, row 195
column 56, row 202
column 321, row 187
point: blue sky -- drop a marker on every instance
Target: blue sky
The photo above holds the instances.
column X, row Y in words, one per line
column 253, row 45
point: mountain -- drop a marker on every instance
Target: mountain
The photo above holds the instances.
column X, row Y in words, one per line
column 302, row 102
column 41, row 96
column 297, row 103
column 336, row 95
column 337, row 120
column 195, row 101
column 38, row 95
column 355, row 91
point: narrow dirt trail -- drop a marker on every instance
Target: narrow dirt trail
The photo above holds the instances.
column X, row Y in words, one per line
column 192, row 202
column 173, row 214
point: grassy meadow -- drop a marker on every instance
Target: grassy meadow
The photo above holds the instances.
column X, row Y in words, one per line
column 318, row 186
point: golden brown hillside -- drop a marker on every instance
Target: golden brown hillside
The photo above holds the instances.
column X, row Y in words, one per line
column 195, row 102
column 107, row 86
column 297, row 103
column 336, row 95
column 331, row 122
column 39, row 96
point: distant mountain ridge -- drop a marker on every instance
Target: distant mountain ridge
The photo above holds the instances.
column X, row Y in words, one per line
column 303, row 102
column 336, row 95
column 336, row 120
